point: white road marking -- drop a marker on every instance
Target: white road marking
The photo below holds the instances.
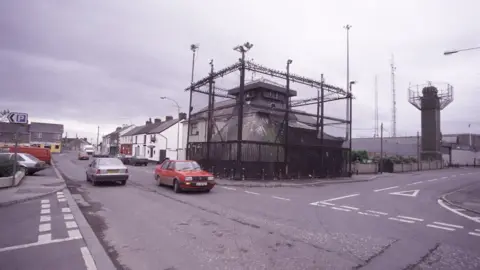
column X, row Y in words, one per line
column 62, row 200
column 454, row 175
column 448, row 224
column 477, row 230
column 317, row 204
column 416, row 183
column 445, row 177
column 66, row 210
column 71, row 224
column 67, row 216
column 412, row 218
column 45, row 201
column 368, row 214
column 60, row 196
column 35, row 244
column 45, row 211
column 343, row 197
column 44, row 238
column 45, row 206
column 87, row 257
column 74, row 234
column 250, row 192
column 326, row 203
column 60, row 192
column 44, row 227
column 442, row 204
column 402, row 220
column 458, row 209
column 377, row 212
column 408, row 193
column 431, row 180
column 280, row 198
column 341, row 209
column 45, row 218
column 440, row 227
column 349, row 207
column 382, row 189
column 229, row 188
column 474, row 233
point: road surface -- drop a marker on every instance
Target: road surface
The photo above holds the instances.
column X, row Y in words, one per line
column 389, row 223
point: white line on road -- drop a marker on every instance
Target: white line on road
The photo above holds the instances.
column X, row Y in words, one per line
column 44, row 238
column 453, row 176
column 431, row 180
column 368, row 214
column 71, row 224
column 36, row 244
column 44, row 227
column 68, row 216
column 442, row 204
column 229, row 188
column 66, row 210
column 402, row 220
column 349, row 207
column 251, row 192
column 474, row 233
column 45, row 211
column 317, row 204
column 62, row 200
column 280, row 198
column 377, row 212
column 445, row 177
column 326, row 203
column 74, row 234
column 477, row 230
column 45, row 218
column 60, row 192
column 87, row 257
column 412, row 218
column 382, row 189
column 45, row 206
column 45, row 201
column 343, row 197
column 415, row 183
column 341, row 209
column 448, row 224
column 440, row 227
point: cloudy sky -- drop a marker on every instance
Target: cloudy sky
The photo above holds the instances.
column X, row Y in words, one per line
column 105, row 63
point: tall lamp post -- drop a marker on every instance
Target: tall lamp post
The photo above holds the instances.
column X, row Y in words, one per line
column 460, row 50
column 193, row 48
column 287, row 116
column 242, row 49
column 350, row 125
column 347, row 27
column 178, row 124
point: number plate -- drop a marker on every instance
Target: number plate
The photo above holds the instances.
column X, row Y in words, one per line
column 201, row 184
column 112, row 171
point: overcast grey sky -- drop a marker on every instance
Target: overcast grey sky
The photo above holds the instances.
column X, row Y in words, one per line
column 88, row 63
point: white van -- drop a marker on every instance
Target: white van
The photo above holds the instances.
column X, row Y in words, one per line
column 89, row 149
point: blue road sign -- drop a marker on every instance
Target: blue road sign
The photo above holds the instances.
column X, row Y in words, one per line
column 18, row 118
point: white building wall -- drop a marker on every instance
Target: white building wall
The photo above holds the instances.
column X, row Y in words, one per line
column 168, row 140
column 464, row 157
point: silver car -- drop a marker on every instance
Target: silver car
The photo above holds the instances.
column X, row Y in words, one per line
column 107, row 170
column 28, row 162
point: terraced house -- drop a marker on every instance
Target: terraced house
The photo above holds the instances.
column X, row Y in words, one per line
column 46, row 135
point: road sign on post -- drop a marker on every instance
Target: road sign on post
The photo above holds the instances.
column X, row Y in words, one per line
column 18, row 118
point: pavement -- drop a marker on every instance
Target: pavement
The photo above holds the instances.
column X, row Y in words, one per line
column 467, row 198
column 394, row 222
column 42, row 228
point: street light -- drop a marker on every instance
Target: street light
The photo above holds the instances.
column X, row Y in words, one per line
column 178, row 124
column 461, row 50
column 347, row 27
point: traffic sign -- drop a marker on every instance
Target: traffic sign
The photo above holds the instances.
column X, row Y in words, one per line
column 18, row 118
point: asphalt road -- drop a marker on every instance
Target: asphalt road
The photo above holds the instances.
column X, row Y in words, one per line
column 344, row 226
column 41, row 234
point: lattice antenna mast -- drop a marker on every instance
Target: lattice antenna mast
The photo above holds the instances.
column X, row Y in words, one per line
column 394, row 100
column 376, row 108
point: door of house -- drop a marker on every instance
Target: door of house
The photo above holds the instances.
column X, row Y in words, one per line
column 162, row 154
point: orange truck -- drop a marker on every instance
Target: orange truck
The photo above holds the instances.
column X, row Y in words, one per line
column 41, row 153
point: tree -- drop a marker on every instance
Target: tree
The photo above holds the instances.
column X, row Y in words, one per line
column 3, row 115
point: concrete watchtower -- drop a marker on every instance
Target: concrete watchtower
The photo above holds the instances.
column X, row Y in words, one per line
column 430, row 102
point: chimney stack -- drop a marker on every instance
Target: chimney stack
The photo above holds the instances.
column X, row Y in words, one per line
column 158, row 120
column 182, row 116
column 168, row 118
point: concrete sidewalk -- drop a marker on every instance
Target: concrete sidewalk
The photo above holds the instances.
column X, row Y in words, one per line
column 297, row 182
column 467, row 198
column 31, row 187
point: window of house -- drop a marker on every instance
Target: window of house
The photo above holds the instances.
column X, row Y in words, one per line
column 39, row 135
column 57, row 146
column 136, row 139
column 194, row 129
column 144, row 139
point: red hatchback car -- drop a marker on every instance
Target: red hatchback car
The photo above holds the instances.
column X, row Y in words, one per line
column 183, row 175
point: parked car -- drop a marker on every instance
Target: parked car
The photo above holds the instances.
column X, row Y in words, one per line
column 138, row 160
column 107, row 170
column 41, row 153
column 124, row 158
column 29, row 163
column 100, row 155
column 83, row 155
column 183, row 175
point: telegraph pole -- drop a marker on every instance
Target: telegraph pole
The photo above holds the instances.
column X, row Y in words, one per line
column 381, row 148
column 347, row 27
column 98, row 135
column 418, row 151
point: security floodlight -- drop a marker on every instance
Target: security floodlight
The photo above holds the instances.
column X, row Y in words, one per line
column 289, row 61
column 248, row 45
column 211, row 61
column 449, row 52
column 194, row 47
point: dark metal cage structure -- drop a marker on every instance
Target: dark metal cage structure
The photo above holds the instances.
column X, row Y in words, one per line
column 257, row 131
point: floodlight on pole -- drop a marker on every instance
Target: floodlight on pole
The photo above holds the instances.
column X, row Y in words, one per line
column 178, row 124
column 461, row 50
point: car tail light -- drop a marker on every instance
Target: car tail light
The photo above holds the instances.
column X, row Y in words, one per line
column 98, row 171
column 126, row 170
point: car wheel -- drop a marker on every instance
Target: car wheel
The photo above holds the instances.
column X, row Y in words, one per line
column 123, row 182
column 208, row 190
column 86, row 176
column 157, row 179
column 93, row 181
column 176, row 187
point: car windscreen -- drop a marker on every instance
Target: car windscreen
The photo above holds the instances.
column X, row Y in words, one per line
column 109, row 162
column 187, row 166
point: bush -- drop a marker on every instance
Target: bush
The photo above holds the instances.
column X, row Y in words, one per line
column 6, row 168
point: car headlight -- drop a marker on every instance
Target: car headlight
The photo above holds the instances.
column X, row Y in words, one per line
column 188, row 178
column 210, row 178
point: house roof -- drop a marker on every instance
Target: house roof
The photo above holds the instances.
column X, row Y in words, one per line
column 132, row 131
column 163, row 126
column 117, row 131
column 12, row 128
column 147, row 128
column 46, row 127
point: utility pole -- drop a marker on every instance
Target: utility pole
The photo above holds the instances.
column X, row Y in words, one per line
column 287, row 116
column 98, row 135
column 375, row 135
column 347, row 27
column 418, row 151
column 193, row 48
column 394, row 100
column 381, row 148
